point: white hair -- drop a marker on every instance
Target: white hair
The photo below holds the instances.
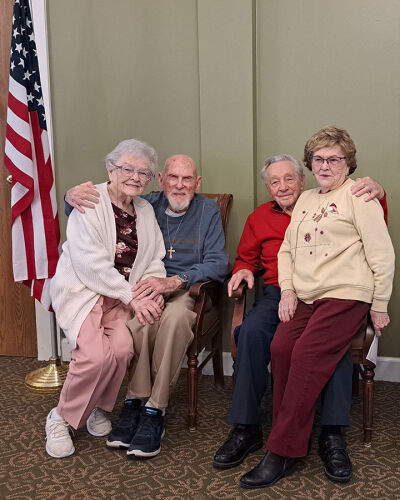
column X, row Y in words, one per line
column 135, row 148
column 274, row 159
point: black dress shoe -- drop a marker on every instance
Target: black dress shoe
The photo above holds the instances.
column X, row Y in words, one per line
column 242, row 440
column 268, row 472
column 332, row 449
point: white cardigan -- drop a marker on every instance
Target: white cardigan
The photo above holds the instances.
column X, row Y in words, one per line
column 85, row 270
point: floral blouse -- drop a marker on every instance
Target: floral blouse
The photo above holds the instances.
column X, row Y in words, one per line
column 127, row 243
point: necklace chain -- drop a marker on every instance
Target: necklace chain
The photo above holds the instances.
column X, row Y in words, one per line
column 171, row 244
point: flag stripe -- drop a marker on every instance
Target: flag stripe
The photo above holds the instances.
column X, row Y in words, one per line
column 17, row 90
column 20, row 142
column 20, row 270
column 22, row 163
column 18, row 108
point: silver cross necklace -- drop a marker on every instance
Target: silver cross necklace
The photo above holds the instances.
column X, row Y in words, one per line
column 171, row 249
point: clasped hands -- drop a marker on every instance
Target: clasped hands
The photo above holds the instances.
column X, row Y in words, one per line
column 148, row 300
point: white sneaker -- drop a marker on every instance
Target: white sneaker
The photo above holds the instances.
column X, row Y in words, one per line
column 58, row 440
column 98, row 424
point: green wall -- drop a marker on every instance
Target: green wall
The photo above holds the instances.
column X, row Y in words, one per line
column 228, row 82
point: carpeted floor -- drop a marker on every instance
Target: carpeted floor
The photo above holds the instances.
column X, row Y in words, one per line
column 183, row 469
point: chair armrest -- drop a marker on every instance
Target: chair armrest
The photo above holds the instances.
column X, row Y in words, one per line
column 240, row 291
column 197, row 289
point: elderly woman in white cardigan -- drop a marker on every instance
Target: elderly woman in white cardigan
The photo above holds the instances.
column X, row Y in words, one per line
column 108, row 250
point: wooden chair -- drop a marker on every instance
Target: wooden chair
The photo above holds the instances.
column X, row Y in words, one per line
column 359, row 349
column 207, row 329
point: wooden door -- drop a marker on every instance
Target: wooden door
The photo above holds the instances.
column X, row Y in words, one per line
column 17, row 307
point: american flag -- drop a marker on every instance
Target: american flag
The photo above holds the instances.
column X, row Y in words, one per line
column 35, row 228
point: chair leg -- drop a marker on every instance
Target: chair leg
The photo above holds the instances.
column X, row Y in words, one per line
column 356, row 379
column 217, row 360
column 193, row 389
column 368, row 377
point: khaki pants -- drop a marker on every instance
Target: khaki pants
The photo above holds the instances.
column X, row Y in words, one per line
column 160, row 350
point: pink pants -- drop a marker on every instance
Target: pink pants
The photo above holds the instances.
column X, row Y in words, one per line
column 99, row 362
column 304, row 355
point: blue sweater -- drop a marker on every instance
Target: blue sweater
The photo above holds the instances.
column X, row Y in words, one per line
column 198, row 243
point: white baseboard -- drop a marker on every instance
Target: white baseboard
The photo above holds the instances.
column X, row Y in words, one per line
column 387, row 369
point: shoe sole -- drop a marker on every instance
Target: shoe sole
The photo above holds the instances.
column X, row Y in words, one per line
column 60, row 456
column 117, row 444
column 230, row 465
column 96, row 434
column 334, row 479
column 287, row 473
column 140, row 453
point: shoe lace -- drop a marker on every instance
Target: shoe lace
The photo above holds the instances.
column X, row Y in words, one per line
column 59, row 429
column 128, row 415
column 148, row 424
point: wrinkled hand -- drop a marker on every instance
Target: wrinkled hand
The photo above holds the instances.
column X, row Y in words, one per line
column 367, row 185
column 146, row 310
column 237, row 278
column 287, row 305
column 83, row 195
column 156, row 285
column 379, row 320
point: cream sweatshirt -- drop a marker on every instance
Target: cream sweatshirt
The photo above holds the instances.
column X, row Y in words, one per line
column 86, row 269
column 337, row 246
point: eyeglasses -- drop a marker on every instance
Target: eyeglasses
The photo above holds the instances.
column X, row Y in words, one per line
column 333, row 161
column 126, row 172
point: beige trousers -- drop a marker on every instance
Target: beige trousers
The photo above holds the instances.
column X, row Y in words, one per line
column 160, row 350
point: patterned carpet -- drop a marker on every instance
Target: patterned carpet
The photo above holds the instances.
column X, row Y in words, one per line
column 183, row 469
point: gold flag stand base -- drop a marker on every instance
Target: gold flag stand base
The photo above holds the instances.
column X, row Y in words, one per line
column 48, row 379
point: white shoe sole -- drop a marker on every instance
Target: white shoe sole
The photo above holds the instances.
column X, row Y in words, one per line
column 96, row 434
column 140, row 453
column 117, row 444
column 60, row 456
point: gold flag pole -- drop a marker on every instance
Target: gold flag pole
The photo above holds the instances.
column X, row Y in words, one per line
column 50, row 378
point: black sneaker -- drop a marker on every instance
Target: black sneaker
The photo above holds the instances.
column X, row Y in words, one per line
column 147, row 440
column 124, row 430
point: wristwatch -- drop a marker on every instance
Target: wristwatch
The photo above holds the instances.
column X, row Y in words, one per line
column 183, row 277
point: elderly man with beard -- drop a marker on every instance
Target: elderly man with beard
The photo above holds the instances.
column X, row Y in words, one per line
column 194, row 241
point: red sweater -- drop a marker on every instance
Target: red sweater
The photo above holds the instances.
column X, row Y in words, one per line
column 262, row 237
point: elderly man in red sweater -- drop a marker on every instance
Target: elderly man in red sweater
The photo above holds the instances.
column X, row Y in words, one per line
column 260, row 242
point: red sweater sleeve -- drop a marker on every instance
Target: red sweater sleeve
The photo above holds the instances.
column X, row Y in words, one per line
column 383, row 202
column 248, row 252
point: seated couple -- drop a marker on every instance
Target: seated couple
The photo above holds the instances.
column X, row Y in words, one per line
column 122, row 301
column 336, row 263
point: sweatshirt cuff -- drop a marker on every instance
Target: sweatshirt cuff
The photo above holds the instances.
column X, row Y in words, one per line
column 379, row 305
column 286, row 285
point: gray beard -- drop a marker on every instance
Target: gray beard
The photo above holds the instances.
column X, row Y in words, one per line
column 179, row 206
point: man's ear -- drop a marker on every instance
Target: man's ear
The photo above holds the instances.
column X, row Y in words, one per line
column 303, row 183
column 198, row 183
column 160, row 180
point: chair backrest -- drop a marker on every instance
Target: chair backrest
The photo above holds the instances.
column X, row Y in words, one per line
column 224, row 203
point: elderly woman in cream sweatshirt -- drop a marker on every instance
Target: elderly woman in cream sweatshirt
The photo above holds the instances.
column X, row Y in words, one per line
column 108, row 250
column 335, row 265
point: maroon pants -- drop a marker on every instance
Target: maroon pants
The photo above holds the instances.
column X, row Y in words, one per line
column 304, row 355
